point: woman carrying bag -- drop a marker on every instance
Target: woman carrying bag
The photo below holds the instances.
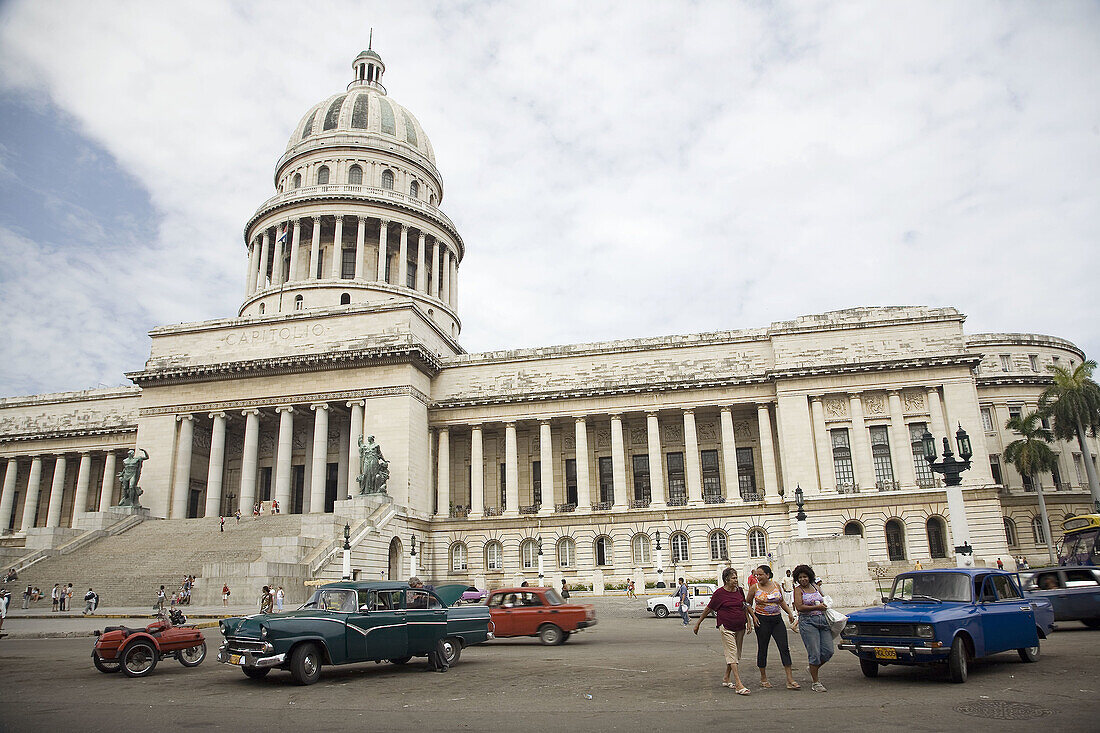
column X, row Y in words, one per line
column 813, row 624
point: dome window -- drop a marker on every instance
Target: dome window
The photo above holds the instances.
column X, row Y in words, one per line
column 355, row 176
column 410, row 131
column 297, row 302
column 359, row 111
column 297, row 180
column 345, row 299
column 388, row 125
column 333, row 115
column 322, row 176
column 431, row 199
column 261, row 309
column 387, row 179
column 414, row 190
column 309, row 125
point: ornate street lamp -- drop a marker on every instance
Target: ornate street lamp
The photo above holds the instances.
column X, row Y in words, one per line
column 346, row 574
column 539, row 540
column 660, row 560
column 803, row 531
column 952, row 469
column 412, row 556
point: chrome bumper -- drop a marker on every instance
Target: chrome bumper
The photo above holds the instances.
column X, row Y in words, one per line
column 251, row 658
column 913, row 649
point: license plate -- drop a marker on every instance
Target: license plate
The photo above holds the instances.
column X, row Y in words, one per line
column 236, row 659
column 885, row 652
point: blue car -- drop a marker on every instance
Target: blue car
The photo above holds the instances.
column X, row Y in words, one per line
column 948, row 616
column 1073, row 591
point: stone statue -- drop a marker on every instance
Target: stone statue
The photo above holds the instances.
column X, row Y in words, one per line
column 129, row 477
column 374, row 470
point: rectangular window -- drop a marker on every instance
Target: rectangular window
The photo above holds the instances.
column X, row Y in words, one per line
column 1057, row 476
column 607, row 480
column 1055, row 361
column 641, row 478
column 347, row 264
column 746, row 475
column 1028, row 485
column 503, row 486
column 1015, row 411
column 320, row 265
column 995, row 468
column 410, row 275
column 925, row 478
column 1078, row 467
column 677, row 487
column 571, row 480
column 1006, row 363
column 842, row 459
column 987, row 420
column 536, row 482
column 1034, row 359
column 712, row 481
column 880, row 455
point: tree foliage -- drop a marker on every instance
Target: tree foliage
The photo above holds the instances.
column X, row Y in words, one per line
column 1030, row 453
column 1073, row 399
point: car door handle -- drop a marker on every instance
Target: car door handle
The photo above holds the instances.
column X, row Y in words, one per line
column 399, row 614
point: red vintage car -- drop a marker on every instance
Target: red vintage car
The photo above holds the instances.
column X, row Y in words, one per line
column 137, row 651
column 540, row 612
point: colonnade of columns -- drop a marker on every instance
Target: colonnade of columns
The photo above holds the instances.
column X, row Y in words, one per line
column 59, row 486
column 435, row 261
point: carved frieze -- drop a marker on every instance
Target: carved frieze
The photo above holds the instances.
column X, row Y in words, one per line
column 76, row 420
column 638, row 436
column 569, row 441
column 742, row 430
column 603, row 438
column 333, row 439
column 708, row 432
column 836, row 407
column 874, row 404
column 913, row 401
column 672, row 433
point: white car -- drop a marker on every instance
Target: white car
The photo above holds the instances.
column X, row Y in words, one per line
column 699, row 593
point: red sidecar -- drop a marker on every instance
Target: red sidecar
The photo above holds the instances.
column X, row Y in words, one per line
column 137, row 651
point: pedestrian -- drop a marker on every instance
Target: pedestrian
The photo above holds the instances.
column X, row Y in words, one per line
column 918, row 566
column 5, row 599
column 69, row 597
column 162, row 597
column 221, row 524
column 684, row 597
column 630, row 589
column 729, row 606
column 55, row 597
column 274, row 507
column 27, row 595
column 1000, row 564
column 225, row 594
column 813, row 624
column 255, row 511
column 279, row 597
column 564, row 589
column 237, row 514
column 91, row 600
column 266, row 601
column 788, row 588
column 767, row 604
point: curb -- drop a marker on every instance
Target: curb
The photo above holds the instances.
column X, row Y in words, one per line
column 79, row 634
column 42, row 617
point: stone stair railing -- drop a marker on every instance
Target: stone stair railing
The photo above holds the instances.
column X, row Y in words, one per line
column 323, row 555
column 78, row 542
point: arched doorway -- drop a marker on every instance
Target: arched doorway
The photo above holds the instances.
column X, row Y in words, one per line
column 937, row 537
column 853, row 529
column 394, row 569
column 895, row 540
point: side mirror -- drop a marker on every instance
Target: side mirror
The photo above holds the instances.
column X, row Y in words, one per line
column 885, row 599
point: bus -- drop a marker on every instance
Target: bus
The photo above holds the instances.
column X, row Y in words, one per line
column 1081, row 543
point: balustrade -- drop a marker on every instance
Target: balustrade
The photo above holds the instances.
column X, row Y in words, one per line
column 565, row 508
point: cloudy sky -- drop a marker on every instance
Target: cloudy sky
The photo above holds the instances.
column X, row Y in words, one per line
column 616, row 169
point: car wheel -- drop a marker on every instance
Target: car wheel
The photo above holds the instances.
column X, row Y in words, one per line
column 139, row 659
column 958, row 661
column 1092, row 623
column 193, row 656
column 255, row 673
column 106, row 666
column 400, row 660
column 305, row 664
column 565, row 636
column 1029, row 654
column 869, row 667
column 452, row 650
column 660, row 612
column 551, row 635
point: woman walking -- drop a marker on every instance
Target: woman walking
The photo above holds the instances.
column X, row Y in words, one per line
column 767, row 603
column 813, row 625
column 729, row 605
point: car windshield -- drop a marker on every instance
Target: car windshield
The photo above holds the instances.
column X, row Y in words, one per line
column 332, row 600
column 931, row 587
column 552, row 598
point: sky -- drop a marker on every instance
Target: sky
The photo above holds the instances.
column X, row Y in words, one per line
column 617, row 170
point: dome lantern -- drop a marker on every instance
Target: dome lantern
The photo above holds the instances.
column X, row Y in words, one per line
column 368, row 68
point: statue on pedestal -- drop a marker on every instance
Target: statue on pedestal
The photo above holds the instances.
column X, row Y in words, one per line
column 374, row 470
column 129, row 476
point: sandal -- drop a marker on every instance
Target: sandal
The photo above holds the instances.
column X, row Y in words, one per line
column 766, row 685
column 744, row 691
column 727, row 684
column 793, row 686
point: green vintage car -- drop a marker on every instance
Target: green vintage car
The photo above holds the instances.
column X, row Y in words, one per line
column 350, row 622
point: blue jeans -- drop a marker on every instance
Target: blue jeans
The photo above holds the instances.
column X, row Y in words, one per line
column 684, row 612
column 817, row 637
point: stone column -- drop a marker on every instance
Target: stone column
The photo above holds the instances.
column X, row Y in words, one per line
column 511, row 471
column 861, row 445
column 729, row 453
column 106, row 489
column 250, row 272
column 277, row 258
column 421, row 268
column 355, row 432
column 900, row 448
column 935, row 412
column 215, row 470
column 767, row 453
column 693, row 469
column 454, row 283
column 546, row 468
column 314, row 248
column 261, row 266
column 403, row 258
column 826, row 476
column 443, row 473
column 83, row 479
column 34, row 486
column 584, row 481
column 618, row 464
column 446, row 274
column 656, row 465
column 360, row 245
column 7, row 496
column 249, row 460
column 319, row 468
column 337, row 268
column 434, row 291
column 477, row 472
column 294, row 247
column 383, row 234
column 57, row 492
column 283, row 455
column 181, row 482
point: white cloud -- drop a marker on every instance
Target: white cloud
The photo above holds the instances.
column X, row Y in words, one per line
column 623, row 170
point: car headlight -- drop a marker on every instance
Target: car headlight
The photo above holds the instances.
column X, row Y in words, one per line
column 263, row 632
column 225, row 628
column 850, row 630
column 925, row 631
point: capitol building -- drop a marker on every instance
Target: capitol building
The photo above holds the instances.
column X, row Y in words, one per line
column 580, row 457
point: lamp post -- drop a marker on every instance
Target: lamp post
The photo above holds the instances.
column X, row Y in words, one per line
column 412, row 556
column 803, row 531
column 540, row 560
column 660, row 560
column 952, row 469
column 347, row 552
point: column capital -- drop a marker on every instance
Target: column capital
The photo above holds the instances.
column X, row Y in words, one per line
column 422, row 235
column 218, row 413
column 817, row 398
column 383, row 222
column 181, row 418
column 356, row 403
column 510, row 424
column 893, row 393
column 616, row 416
column 652, row 413
column 580, row 418
column 443, row 429
column 360, row 218
column 317, row 218
column 724, row 409
column 544, row 421
column 689, row 411
column 284, row 408
column 319, row 406
column 763, row 405
column 250, row 411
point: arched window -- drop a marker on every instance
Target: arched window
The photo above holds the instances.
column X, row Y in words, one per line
column 333, row 115
column 678, row 546
column 308, row 128
column 758, row 543
column 322, row 176
column 387, row 179
column 458, row 557
column 895, row 540
column 431, row 199
column 602, row 550
column 937, row 536
column 494, row 555
column 719, row 546
column 567, row 552
column 261, row 309
column 1010, row 533
column 853, row 529
column 297, row 302
column 414, row 190
column 639, row 549
column 355, row 176
column 297, row 180
column 1038, row 531
column 528, row 554
column 345, row 299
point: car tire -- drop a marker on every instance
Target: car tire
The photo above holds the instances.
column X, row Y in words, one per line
column 400, row 660
column 959, row 661
column 551, row 635
column 1092, row 623
column 869, row 667
column 660, row 612
column 106, row 666
column 1029, row 654
column 452, row 650
column 193, row 656
column 139, row 659
column 305, row 664
column 565, row 636
column 255, row 673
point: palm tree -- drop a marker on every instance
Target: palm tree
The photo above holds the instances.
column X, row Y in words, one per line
column 1031, row 455
column 1073, row 401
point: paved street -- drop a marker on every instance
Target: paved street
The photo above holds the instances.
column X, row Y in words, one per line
column 632, row 672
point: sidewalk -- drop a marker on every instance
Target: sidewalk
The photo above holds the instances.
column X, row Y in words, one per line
column 41, row 623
